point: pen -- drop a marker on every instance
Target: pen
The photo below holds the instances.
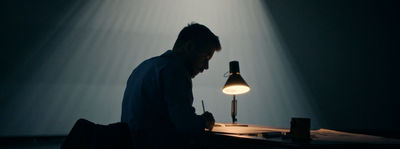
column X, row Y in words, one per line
column 202, row 102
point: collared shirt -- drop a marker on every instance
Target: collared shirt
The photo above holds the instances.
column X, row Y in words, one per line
column 158, row 100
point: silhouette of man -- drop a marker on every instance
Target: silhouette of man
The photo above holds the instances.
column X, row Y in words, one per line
column 157, row 103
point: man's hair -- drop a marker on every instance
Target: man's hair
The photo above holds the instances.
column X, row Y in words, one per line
column 200, row 35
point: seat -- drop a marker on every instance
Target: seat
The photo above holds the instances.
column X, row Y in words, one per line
column 88, row 135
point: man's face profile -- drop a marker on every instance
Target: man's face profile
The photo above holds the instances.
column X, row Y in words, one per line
column 198, row 61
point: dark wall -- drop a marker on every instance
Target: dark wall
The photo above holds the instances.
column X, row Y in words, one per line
column 348, row 55
column 23, row 25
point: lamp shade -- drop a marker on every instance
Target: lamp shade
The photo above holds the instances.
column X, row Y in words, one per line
column 235, row 84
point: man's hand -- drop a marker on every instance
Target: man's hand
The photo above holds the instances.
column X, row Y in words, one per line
column 210, row 120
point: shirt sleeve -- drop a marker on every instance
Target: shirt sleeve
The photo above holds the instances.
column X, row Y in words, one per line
column 179, row 98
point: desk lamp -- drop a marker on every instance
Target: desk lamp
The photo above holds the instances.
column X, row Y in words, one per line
column 235, row 85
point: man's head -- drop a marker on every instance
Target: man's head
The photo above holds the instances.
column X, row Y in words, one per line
column 196, row 45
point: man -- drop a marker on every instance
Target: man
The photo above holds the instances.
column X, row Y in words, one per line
column 158, row 99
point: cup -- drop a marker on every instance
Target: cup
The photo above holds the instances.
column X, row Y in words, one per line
column 300, row 128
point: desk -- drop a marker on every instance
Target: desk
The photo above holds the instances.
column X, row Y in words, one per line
column 224, row 136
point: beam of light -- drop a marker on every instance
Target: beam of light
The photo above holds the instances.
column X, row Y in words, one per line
column 94, row 48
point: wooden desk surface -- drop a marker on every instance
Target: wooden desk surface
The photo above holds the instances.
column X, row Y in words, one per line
column 224, row 135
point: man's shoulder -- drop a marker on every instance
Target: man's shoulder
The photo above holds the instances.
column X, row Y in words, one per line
column 162, row 61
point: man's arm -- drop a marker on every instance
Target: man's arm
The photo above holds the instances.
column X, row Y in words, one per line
column 178, row 95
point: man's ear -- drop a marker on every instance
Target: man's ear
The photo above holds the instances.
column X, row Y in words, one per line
column 189, row 47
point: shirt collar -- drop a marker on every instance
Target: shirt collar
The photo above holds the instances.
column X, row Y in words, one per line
column 173, row 55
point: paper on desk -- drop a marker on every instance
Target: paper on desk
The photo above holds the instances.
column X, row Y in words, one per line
column 321, row 135
column 251, row 129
